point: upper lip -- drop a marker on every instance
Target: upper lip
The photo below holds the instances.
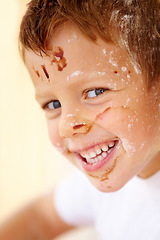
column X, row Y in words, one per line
column 92, row 145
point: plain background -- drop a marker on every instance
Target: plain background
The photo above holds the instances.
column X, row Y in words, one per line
column 29, row 165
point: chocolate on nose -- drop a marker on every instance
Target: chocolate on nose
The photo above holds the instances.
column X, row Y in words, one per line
column 78, row 126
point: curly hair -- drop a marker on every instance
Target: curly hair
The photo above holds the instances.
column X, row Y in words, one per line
column 136, row 23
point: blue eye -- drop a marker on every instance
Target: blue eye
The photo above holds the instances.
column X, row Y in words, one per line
column 53, row 105
column 94, row 92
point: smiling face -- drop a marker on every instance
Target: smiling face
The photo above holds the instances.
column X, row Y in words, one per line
column 99, row 112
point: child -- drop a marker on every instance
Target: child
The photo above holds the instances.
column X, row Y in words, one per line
column 95, row 69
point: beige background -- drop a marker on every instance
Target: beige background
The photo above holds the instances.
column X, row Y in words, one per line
column 29, row 165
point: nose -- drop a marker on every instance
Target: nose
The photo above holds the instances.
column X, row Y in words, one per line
column 73, row 123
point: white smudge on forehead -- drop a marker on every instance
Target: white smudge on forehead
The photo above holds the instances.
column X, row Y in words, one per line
column 74, row 36
column 113, row 62
column 137, row 69
column 104, row 51
column 74, row 74
column 124, row 69
column 128, row 77
column 112, row 59
column 101, row 73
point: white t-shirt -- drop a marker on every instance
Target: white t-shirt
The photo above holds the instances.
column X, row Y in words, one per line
column 132, row 213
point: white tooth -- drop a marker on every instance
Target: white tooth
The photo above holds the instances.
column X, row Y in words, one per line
column 91, row 161
column 109, row 150
column 96, row 160
column 104, row 154
column 83, row 155
column 97, row 150
column 105, row 148
column 111, row 144
column 88, row 160
column 100, row 157
column 92, row 154
column 86, row 156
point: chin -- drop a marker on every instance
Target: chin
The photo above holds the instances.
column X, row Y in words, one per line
column 106, row 185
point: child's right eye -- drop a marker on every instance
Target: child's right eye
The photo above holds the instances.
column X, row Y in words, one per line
column 93, row 93
column 52, row 105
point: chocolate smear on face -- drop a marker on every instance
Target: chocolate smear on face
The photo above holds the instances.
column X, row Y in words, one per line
column 59, row 59
column 79, row 126
column 85, row 128
column 108, row 171
column 36, row 71
column 45, row 71
column 100, row 115
column 104, row 176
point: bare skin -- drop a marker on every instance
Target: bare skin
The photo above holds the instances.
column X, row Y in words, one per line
column 91, row 98
column 99, row 97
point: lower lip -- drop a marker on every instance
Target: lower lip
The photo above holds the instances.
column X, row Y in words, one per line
column 96, row 166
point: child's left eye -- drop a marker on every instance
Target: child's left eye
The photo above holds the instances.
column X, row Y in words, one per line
column 94, row 92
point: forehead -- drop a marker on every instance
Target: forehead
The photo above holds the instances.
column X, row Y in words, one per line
column 83, row 51
column 80, row 50
column 72, row 54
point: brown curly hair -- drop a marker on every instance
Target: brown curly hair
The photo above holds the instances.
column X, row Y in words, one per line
column 136, row 22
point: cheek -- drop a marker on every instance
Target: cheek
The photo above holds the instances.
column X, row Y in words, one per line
column 53, row 132
column 133, row 124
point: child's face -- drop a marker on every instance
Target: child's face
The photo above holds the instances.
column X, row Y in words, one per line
column 99, row 112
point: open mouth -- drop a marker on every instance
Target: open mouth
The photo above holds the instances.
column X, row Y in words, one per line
column 98, row 153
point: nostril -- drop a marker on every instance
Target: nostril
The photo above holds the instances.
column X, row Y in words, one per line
column 81, row 128
column 78, row 126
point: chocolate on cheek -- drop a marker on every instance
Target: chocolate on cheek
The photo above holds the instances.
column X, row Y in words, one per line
column 89, row 125
column 108, row 171
column 100, row 115
column 105, row 176
column 59, row 59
